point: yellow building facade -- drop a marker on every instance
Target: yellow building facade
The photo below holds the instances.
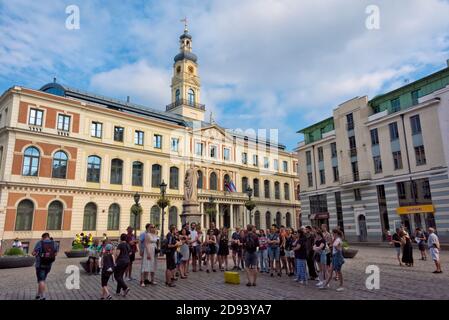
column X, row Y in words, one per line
column 71, row 162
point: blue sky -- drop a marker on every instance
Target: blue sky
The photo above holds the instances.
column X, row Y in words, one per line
column 266, row 64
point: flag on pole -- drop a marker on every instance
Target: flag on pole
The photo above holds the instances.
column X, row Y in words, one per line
column 230, row 186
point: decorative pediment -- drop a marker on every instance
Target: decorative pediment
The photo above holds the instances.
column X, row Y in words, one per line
column 215, row 132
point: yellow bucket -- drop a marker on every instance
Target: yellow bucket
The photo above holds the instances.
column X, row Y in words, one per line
column 232, row 277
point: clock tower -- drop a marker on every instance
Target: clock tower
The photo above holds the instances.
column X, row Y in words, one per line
column 185, row 84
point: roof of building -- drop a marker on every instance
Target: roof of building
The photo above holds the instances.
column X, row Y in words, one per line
column 186, row 55
column 137, row 109
column 317, row 125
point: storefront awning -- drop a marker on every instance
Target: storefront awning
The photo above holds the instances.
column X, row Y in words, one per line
column 427, row 208
column 319, row 216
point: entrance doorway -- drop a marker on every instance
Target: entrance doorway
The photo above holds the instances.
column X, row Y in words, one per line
column 363, row 233
column 226, row 217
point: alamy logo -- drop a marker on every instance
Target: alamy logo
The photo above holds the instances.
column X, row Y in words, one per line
column 73, row 280
column 73, row 20
column 373, row 280
column 372, row 22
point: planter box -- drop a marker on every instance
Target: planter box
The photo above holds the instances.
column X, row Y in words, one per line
column 349, row 253
column 76, row 254
column 16, row 261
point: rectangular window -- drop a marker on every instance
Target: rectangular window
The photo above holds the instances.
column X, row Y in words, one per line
column 174, row 145
column 401, row 190
column 322, row 177
column 426, row 189
column 213, row 152
column 333, row 150
column 227, row 154
column 244, row 158
column 394, row 131
column 255, row 160
column 320, row 154
column 395, row 105
column 350, row 121
column 415, row 97
column 118, row 134
column 355, row 171
column 138, row 137
column 285, row 166
column 96, row 129
column 63, row 122
column 415, row 124
column 157, row 141
column 352, row 147
column 295, row 167
column 397, row 160
column 420, row 156
column 357, row 195
column 308, row 158
column 377, row 164
column 336, row 173
column 35, row 118
column 199, row 146
column 310, row 179
column 374, row 137
column 276, row 164
column 266, row 162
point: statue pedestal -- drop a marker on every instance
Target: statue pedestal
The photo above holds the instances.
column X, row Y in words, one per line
column 190, row 213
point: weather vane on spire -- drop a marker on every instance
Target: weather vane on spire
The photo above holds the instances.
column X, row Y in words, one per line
column 185, row 24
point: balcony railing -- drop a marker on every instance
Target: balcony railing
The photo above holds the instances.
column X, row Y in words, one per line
column 350, row 126
column 352, row 152
column 184, row 102
column 355, row 177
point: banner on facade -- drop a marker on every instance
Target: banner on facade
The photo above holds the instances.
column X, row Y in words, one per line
column 428, row 208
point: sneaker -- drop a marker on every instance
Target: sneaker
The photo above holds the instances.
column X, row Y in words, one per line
column 323, row 287
column 340, row 289
column 301, row 282
column 319, row 284
column 125, row 292
column 37, row 297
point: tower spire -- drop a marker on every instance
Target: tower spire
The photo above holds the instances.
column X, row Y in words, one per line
column 186, row 30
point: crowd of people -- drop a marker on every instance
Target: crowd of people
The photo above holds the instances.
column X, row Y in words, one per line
column 307, row 254
column 402, row 242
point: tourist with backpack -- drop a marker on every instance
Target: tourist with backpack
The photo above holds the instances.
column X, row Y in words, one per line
column 250, row 245
column 107, row 269
column 45, row 252
column 168, row 247
column 274, row 250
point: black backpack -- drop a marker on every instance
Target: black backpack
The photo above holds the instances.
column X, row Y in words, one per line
column 250, row 243
column 164, row 246
column 48, row 252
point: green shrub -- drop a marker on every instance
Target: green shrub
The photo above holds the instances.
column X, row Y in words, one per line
column 14, row 252
column 345, row 244
column 77, row 247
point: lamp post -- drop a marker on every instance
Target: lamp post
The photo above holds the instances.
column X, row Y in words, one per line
column 249, row 192
column 136, row 210
column 163, row 188
column 211, row 209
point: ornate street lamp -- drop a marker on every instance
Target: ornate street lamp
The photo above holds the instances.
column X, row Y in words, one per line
column 162, row 203
column 136, row 211
column 250, row 205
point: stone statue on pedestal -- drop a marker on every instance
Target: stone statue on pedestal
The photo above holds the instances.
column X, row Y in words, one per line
column 190, row 205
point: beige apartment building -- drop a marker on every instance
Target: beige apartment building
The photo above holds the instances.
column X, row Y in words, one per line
column 71, row 162
column 381, row 163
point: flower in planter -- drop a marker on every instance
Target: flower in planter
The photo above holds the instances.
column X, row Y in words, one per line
column 250, row 205
column 163, row 203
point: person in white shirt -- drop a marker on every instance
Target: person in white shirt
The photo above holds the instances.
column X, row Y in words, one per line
column 17, row 243
column 434, row 248
column 194, row 247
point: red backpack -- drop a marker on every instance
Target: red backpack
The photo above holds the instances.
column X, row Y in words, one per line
column 48, row 252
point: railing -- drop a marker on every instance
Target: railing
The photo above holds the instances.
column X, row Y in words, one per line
column 350, row 126
column 355, row 177
column 352, row 152
column 185, row 102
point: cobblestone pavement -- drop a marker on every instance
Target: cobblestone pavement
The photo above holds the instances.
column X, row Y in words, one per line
column 395, row 283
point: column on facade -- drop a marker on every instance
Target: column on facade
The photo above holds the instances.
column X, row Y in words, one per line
column 217, row 215
column 231, row 217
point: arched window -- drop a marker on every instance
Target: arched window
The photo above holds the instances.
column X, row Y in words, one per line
column 59, row 168
column 114, row 217
column 266, row 187
column 173, row 216
column 277, row 191
column 54, row 218
column 156, row 175
column 286, row 191
column 268, row 221
column 256, row 187
column 200, row 179
column 213, row 181
column 178, row 95
column 116, row 171
column 93, row 169
column 137, row 173
column 278, row 219
column 244, row 184
column 191, row 97
column 288, row 220
column 31, row 158
column 174, row 178
column 298, row 191
column 155, row 216
column 90, row 217
column 25, row 213
column 257, row 220
column 226, row 182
